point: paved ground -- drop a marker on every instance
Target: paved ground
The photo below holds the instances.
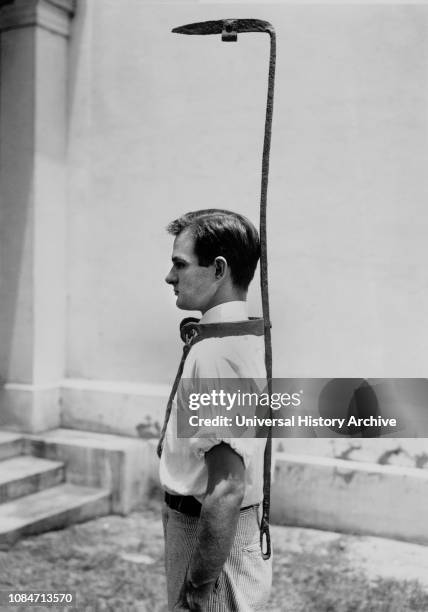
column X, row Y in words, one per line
column 116, row 564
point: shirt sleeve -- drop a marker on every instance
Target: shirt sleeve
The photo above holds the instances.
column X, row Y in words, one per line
column 244, row 447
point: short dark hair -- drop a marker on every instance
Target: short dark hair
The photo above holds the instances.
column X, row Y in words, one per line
column 224, row 233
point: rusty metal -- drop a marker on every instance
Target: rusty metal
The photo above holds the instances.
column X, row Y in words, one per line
column 229, row 29
column 186, row 348
column 216, row 27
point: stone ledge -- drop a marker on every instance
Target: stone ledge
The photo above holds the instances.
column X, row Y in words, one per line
column 351, row 497
column 406, row 452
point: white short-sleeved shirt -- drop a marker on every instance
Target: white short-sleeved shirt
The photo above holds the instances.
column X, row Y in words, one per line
column 182, row 466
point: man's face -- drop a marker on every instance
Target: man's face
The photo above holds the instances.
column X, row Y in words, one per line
column 194, row 285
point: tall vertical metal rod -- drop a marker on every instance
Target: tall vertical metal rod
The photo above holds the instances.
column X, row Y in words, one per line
column 264, row 528
column 229, row 29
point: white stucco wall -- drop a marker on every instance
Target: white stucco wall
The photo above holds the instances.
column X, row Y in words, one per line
column 161, row 124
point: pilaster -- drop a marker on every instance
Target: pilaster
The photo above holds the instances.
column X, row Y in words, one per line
column 33, row 124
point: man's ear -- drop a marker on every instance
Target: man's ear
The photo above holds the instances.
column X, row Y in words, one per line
column 220, row 267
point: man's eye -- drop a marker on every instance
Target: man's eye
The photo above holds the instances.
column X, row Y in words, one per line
column 179, row 264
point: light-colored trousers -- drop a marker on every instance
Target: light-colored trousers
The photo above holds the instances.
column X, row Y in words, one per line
column 245, row 580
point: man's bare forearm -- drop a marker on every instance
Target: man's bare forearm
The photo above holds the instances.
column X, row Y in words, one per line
column 217, row 525
column 217, row 528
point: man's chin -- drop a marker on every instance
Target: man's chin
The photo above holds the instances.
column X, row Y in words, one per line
column 183, row 306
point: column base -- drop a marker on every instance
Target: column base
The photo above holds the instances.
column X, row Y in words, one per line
column 29, row 408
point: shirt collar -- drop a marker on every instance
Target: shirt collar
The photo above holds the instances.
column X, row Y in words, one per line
column 229, row 311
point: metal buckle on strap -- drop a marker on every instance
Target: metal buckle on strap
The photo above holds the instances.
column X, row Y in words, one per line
column 190, row 335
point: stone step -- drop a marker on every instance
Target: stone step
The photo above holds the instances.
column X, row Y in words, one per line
column 24, row 475
column 52, row 508
column 128, row 467
column 11, row 444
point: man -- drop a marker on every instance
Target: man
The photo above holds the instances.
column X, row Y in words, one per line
column 214, row 484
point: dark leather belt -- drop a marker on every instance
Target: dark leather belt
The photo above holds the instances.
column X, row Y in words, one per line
column 187, row 504
column 183, row 503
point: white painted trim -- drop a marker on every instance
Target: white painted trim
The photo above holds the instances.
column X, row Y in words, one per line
column 31, row 388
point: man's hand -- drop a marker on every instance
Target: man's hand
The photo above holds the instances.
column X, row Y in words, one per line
column 192, row 598
column 217, row 524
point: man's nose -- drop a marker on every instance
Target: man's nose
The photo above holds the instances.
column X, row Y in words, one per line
column 170, row 277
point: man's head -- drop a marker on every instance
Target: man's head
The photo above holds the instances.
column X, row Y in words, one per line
column 214, row 258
